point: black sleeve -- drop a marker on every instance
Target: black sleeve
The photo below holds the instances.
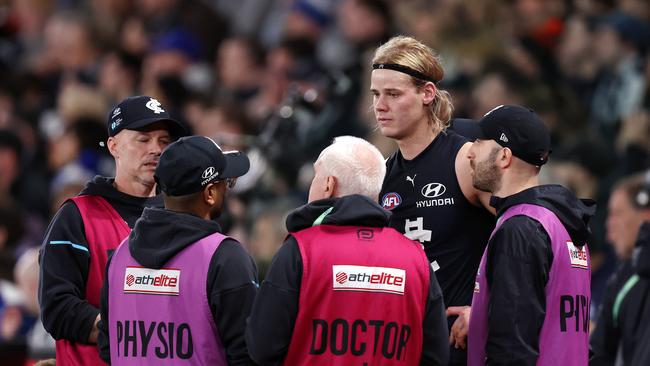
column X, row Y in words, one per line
column 64, row 262
column 272, row 320
column 102, row 338
column 519, row 261
column 605, row 339
column 231, row 287
column 435, row 340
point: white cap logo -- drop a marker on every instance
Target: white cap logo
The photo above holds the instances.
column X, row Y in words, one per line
column 503, row 137
column 208, row 172
column 155, row 106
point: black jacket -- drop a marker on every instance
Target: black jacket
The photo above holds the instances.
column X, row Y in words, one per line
column 517, row 270
column 64, row 268
column 275, row 310
column 232, row 277
column 624, row 321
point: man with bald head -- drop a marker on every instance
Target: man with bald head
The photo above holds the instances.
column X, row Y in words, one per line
column 344, row 288
column 89, row 226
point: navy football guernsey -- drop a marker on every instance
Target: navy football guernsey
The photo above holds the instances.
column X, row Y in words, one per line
column 428, row 205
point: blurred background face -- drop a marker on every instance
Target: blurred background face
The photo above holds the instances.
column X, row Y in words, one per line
column 68, row 43
column 623, row 222
column 235, row 64
column 9, row 168
column 607, row 46
column 359, row 23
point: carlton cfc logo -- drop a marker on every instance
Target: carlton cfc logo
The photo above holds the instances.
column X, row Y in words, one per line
column 391, row 200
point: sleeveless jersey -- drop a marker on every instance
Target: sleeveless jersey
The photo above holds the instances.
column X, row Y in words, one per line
column 564, row 335
column 162, row 316
column 428, row 205
column 362, row 298
column 104, row 229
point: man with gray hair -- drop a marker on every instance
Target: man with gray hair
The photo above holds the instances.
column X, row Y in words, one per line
column 344, row 288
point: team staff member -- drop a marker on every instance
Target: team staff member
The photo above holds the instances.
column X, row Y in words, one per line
column 344, row 289
column 428, row 186
column 177, row 289
column 532, row 292
column 86, row 227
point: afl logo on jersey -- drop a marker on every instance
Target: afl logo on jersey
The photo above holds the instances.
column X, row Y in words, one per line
column 391, row 200
column 433, row 190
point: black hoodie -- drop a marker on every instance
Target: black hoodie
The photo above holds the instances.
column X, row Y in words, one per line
column 272, row 320
column 64, row 268
column 518, row 266
column 232, row 277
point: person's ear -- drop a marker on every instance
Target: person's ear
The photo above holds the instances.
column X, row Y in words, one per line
column 505, row 158
column 429, row 93
column 210, row 193
column 113, row 143
column 331, row 186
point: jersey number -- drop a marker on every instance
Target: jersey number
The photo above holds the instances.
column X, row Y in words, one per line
column 414, row 230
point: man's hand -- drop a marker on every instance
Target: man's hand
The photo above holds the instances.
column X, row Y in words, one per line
column 458, row 333
column 94, row 332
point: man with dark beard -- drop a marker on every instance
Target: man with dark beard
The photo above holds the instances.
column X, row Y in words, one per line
column 176, row 288
column 532, row 290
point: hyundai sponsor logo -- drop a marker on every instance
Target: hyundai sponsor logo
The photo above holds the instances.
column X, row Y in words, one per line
column 433, row 190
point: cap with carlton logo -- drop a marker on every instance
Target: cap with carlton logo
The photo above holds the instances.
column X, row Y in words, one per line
column 192, row 162
column 138, row 112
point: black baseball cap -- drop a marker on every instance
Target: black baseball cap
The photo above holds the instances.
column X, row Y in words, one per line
column 521, row 130
column 138, row 112
column 192, row 162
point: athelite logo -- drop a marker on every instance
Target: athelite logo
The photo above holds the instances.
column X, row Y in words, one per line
column 391, row 200
column 577, row 256
column 140, row 280
column 155, row 106
column 368, row 279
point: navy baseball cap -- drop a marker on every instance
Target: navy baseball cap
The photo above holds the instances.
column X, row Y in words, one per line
column 521, row 130
column 192, row 162
column 138, row 112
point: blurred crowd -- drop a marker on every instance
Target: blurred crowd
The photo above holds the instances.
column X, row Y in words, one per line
column 279, row 79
